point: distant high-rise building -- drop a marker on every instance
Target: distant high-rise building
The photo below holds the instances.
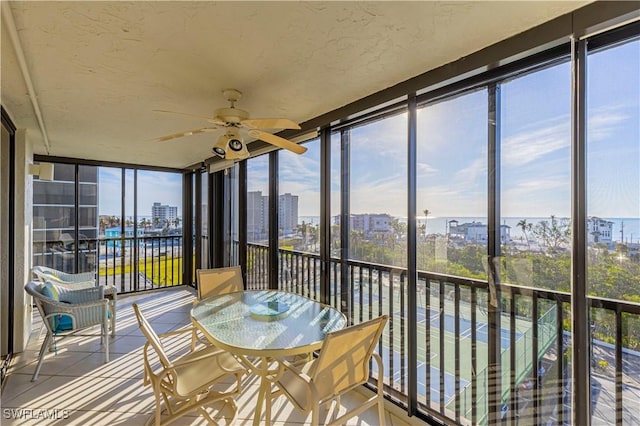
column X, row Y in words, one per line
column 287, row 212
column 162, row 214
column 258, row 214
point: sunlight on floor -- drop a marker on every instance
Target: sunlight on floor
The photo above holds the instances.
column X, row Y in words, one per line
column 76, row 387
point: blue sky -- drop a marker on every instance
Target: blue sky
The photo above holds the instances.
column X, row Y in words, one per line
column 535, row 150
column 452, row 152
column 162, row 187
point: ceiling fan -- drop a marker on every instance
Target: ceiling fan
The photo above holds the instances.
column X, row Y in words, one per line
column 235, row 122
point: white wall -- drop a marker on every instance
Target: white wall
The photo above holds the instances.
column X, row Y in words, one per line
column 23, row 240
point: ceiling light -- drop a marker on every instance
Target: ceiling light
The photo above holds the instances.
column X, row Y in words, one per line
column 220, row 146
column 231, row 146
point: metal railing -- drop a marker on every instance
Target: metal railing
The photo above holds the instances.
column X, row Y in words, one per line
column 452, row 329
column 453, row 336
column 130, row 264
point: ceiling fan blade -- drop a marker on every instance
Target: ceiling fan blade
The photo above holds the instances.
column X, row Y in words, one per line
column 183, row 113
column 185, row 133
column 270, row 123
column 278, row 141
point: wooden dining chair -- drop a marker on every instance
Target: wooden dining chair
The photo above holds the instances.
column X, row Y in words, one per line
column 185, row 384
column 341, row 366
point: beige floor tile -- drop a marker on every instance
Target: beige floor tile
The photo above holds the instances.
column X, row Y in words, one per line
column 69, row 393
column 55, row 363
column 78, row 384
column 126, row 344
column 17, row 383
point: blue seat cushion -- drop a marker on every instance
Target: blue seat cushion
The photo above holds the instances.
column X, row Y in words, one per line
column 60, row 322
column 66, row 295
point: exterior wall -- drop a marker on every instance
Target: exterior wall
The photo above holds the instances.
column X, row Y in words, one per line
column 54, row 224
column 380, row 223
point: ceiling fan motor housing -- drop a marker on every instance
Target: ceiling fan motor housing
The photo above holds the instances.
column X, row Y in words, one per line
column 230, row 115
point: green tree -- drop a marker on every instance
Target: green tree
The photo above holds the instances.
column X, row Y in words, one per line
column 553, row 234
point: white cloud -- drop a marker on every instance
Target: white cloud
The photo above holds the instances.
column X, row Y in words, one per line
column 527, row 147
column 602, row 122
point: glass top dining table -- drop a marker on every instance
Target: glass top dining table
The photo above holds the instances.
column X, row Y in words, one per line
column 265, row 325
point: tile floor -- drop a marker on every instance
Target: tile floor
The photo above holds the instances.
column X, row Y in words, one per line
column 76, row 387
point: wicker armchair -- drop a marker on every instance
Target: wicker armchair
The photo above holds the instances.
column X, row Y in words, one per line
column 75, row 281
column 66, row 311
column 83, row 280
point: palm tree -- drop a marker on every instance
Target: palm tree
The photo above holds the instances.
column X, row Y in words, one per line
column 525, row 226
column 426, row 213
column 103, row 224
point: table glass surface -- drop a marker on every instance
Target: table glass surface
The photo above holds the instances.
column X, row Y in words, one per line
column 235, row 320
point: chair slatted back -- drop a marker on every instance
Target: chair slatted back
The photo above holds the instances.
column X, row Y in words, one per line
column 216, row 281
column 344, row 357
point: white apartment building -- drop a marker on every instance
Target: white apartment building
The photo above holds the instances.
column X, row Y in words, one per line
column 164, row 213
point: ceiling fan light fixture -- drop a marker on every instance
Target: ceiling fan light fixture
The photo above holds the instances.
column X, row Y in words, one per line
column 231, row 146
column 220, row 146
column 235, row 145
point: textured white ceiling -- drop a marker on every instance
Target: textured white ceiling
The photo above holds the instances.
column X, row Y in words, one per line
column 100, row 68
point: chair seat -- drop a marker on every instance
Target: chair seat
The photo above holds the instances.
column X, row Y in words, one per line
column 295, row 385
column 214, row 361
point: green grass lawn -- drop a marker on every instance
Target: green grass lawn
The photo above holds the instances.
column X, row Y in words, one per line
column 162, row 271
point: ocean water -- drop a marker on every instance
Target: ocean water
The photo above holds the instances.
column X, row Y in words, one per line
column 623, row 228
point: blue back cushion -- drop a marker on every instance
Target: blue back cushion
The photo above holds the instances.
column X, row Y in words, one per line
column 60, row 322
